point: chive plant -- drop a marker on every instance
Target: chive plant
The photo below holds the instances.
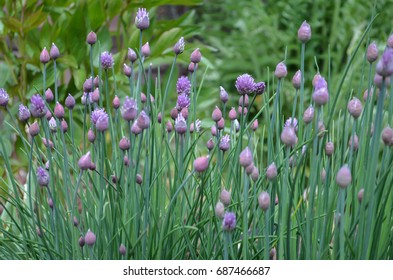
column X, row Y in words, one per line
column 152, row 181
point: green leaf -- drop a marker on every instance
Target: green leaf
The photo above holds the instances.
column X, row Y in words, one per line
column 12, row 23
column 68, row 60
column 34, row 20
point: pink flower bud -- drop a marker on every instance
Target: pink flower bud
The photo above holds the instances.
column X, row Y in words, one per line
column 124, row 144
column 90, row 238
column 34, row 129
column 344, row 177
column 264, row 201
column 91, row 38
column 281, row 70
column 387, row 136
column 353, row 143
column 297, row 79
column 308, row 115
column 210, row 144
column 288, row 136
column 146, row 50
column 216, row 115
column 44, row 56
column 225, row 197
column 304, row 32
column 59, row 111
column 355, row 107
column 271, row 172
column 196, row 56
column 49, row 97
column 201, row 164
column 116, row 102
column 219, row 210
column 245, row 157
column 329, row 148
column 122, row 250
column 232, row 114
column 372, row 52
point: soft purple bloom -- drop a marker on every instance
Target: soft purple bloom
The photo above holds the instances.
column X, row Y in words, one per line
column 131, row 55
column 102, row 122
column 291, row 122
column 90, row 238
column 229, row 221
column 70, row 102
column 24, row 113
column 142, row 19
column 223, row 95
column 385, row 64
column 196, row 56
column 129, row 109
column 245, row 84
column 52, row 124
column 38, row 108
column 42, row 177
column 96, row 114
column 321, row 93
column 146, row 50
column 183, row 86
column 179, row 46
column 143, row 120
column 106, row 60
column 180, row 124
column 54, row 52
column 259, row 88
column 91, row 38
column 225, row 143
column 87, row 97
column 183, row 101
column 304, row 32
column 4, row 97
column 84, row 162
column 44, row 56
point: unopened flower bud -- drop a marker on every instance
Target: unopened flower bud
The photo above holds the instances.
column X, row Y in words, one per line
column 210, row 144
column 179, row 46
column 219, row 210
column 49, row 97
column 169, row 126
column 360, row 195
column 297, row 79
column 353, row 142
column 54, row 52
column 196, row 56
column 329, row 148
column 264, row 201
column 281, row 70
column 271, row 172
column 124, row 144
column 304, row 32
column 90, row 238
column 372, row 52
column 91, row 136
column 122, row 250
column 59, row 111
column 44, row 56
column 225, row 197
column 288, row 136
column 70, row 102
column 139, row 179
column 191, row 67
column 34, row 129
column 245, row 157
column 85, row 161
column 232, row 114
column 216, row 115
column 146, row 50
column 116, row 102
column 355, row 107
column 201, row 164
column 91, row 38
column 387, row 136
column 308, row 115
column 344, row 177
column 223, row 95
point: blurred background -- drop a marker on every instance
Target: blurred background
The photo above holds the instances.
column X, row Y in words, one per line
column 234, row 37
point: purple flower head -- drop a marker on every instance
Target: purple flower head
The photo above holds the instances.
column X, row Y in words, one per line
column 179, row 46
column 183, row 101
column 225, row 143
column 183, row 86
column 37, row 106
column 84, row 162
column 70, row 102
column 24, row 113
column 90, row 238
column 223, row 95
column 96, row 114
column 143, row 120
column 142, row 19
column 87, row 98
column 229, row 221
column 131, row 55
column 180, row 124
column 320, row 83
column 102, row 122
column 91, row 38
column 44, row 56
column 245, row 84
column 291, row 122
column 385, row 64
column 54, row 52
column 106, row 60
column 42, row 177
column 4, row 97
column 320, row 94
column 259, row 88
column 52, row 124
column 129, row 109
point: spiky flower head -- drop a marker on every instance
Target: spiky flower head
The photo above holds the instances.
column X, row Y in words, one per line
column 225, row 143
column 37, row 107
column 180, row 124
column 385, row 64
column 96, row 114
column 142, row 20
column 259, row 88
column 245, row 84
column 183, row 86
column 102, row 122
column 321, row 94
column 183, row 101
column 107, row 60
column 292, row 122
column 24, row 113
column 229, row 221
column 179, row 46
column 129, row 109
column 143, row 120
column 4, row 97
column 42, row 177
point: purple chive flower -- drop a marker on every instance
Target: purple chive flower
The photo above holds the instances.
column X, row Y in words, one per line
column 183, row 86
column 129, row 109
column 219, row 210
column 87, row 98
column 70, row 102
column 131, row 55
column 146, row 50
column 343, row 177
column 102, row 122
column 281, row 70
column 308, row 114
column 271, row 172
column 180, row 124
column 142, row 20
column 34, row 129
column 245, row 84
column 225, row 197
column 143, row 120
column 4, row 98
column 385, row 64
column 196, row 56
column 259, row 88
column 52, row 124
column 44, row 56
column 106, row 60
column 37, row 107
column 201, row 164
column 245, row 157
column 179, row 46
column 54, row 52
column 127, row 70
column 49, row 97
column 229, row 221
column 296, row 80
column 320, row 94
column 42, row 177
column 264, row 200
column 96, row 114
column 183, row 101
column 288, row 136
column 225, row 143
column 122, row 250
column 372, row 52
column 24, row 113
column 91, row 38
column 84, row 162
column 304, row 32
column 291, row 122
column 223, row 95
column 90, row 238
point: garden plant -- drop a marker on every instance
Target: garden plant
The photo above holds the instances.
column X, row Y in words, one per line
column 149, row 180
